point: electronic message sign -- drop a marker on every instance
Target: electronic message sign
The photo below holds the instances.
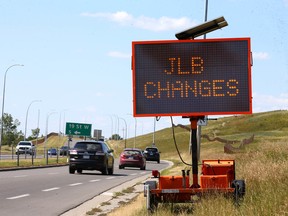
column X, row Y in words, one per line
column 191, row 77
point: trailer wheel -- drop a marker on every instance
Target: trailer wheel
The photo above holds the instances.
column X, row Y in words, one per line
column 239, row 191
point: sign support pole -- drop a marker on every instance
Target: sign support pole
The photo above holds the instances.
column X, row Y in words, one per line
column 193, row 125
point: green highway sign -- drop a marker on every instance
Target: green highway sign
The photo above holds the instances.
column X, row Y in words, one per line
column 78, row 129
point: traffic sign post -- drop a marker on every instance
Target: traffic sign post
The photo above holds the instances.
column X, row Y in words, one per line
column 78, row 129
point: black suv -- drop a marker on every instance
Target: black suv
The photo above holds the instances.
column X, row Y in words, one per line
column 91, row 155
column 64, row 150
column 152, row 154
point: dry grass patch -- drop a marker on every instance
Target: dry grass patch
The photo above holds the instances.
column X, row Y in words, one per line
column 265, row 171
column 130, row 208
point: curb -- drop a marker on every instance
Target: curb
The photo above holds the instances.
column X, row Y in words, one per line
column 108, row 196
column 32, row 167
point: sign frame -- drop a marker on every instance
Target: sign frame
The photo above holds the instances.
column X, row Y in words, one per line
column 246, row 54
column 78, row 129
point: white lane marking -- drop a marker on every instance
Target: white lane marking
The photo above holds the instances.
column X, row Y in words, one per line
column 110, row 178
column 94, row 180
column 134, row 174
column 20, row 176
column 75, row 184
column 18, row 197
column 142, row 173
column 51, row 189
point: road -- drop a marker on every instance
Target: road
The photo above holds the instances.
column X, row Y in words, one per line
column 53, row 191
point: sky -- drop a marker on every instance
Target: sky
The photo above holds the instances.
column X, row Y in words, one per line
column 77, row 57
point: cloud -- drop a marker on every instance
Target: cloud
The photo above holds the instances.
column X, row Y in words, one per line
column 143, row 22
column 117, row 54
column 263, row 103
column 260, row 55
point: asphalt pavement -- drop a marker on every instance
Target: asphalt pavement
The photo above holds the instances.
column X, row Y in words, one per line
column 109, row 196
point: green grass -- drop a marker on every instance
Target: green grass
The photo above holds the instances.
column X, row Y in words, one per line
column 28, row 162
column 53, row 141
column 263, row 164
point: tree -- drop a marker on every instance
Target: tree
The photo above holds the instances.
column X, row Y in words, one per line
column 10, row 134
column 35, row 134
column 115, row 137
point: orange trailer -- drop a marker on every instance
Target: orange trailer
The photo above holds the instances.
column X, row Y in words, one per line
column 218, row 176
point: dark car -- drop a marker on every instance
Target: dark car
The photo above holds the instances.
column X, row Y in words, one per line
column 132, row 157
column 64, row 150
column 91, row 155
column 152, row 154
column 52, row 151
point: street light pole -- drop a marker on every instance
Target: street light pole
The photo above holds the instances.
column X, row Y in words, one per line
column 153, row 141
column 134, row 130
column 3, row 100
column 27, row 116
column 60, row 119
column 46, row 132
column 125, row 130
column 116, row 126
column 111, row 127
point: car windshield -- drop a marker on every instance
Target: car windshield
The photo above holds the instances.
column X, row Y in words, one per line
column 152, row 150
column 88, row 146
column 131, row 152
column 27, row 144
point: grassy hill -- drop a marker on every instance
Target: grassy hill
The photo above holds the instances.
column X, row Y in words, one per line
column 266, row 127
column 263, row 163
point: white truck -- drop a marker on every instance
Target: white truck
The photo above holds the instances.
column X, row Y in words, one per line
column 25, row 147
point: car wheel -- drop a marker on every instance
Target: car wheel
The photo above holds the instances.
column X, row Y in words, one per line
column 158, row 161
column 71, row 170
column 111, row 170
column 79, row 171
column 105, row 170
column 143, row 168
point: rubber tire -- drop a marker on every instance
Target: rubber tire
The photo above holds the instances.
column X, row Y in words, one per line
column 105, row 170
column 71, row 170
column 143, row 168
column 111, row 170
column 79, row 171
column 239, row 192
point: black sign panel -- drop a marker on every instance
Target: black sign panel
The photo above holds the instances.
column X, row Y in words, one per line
column 192, row 77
